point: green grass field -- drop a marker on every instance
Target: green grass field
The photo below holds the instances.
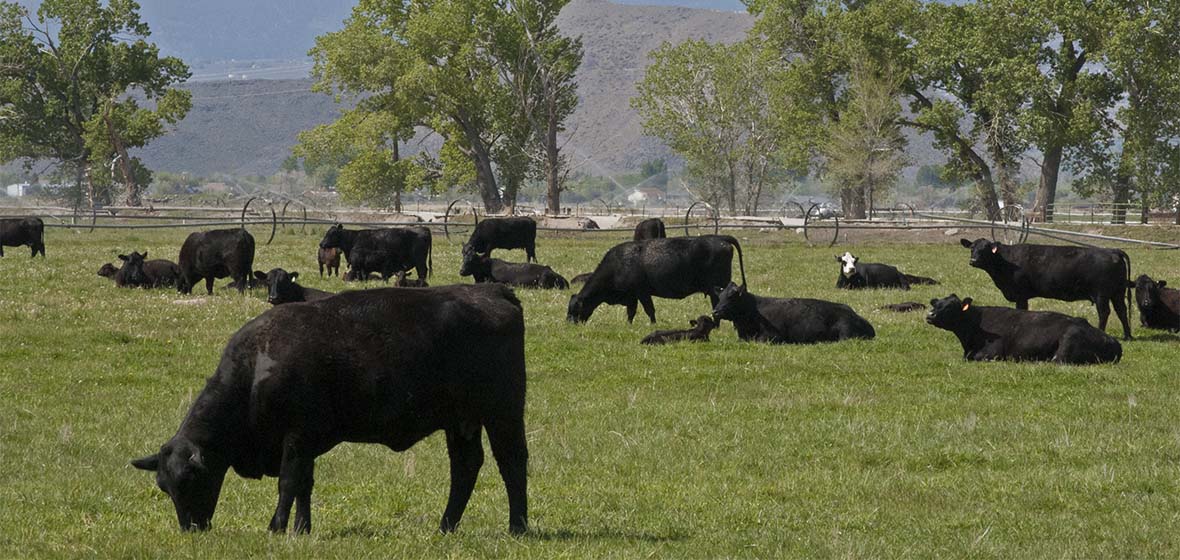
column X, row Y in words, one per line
column 886, row 448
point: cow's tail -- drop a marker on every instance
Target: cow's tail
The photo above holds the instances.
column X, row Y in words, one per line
column 1126, row 259
column 429, row 257
column 741, row 264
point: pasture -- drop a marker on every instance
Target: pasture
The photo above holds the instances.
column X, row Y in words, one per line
column 892, row 447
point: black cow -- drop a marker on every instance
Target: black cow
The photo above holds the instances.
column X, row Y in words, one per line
column 789, row 321
column 651, row 228
column 903, row 307
column 281, row 287
column 855, row 275
column 701, row 326
column 216, row 254
column 504, row 233
column 138, row 272
column 15, row 232
column 354, row 275
column 403, row 282
column 107, row 270
column 633, row 272
column 384, row 251
column 527, row 275
column 1159, row 306
column 400, row 364
column 1000, row 333
column 329, row 258
column 1023, row 272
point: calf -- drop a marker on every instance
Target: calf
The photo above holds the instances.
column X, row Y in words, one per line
column 486, row 269
column 651, row 228
column 1159, row 306
column 504, row 233
column 633, row 272
column 138, row 272
column 281, row 287
column 855, row 275
column 789, row 321
column 1023, row 272
column 904, row 307
column 581, row 278
column 701, row 326
column 216, row 254
column 1000, row 333
column 384, row 251
column 329, row 257
column 107, row 270
column 15, row 232
column 284, row 394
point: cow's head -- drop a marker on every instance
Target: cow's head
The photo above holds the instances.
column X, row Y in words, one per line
column 334, row 237
column 1148, row 292
column 132, row 270
column 108, row 270
column 472, row 262
column 732, row 302
column 190, row 477
column 579, row 309
column 847, row 264
column 703, row 324
column 984, row 253
column 948, row 312
column 280, row 286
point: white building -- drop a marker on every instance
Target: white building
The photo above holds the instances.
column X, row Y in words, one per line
column 17, row 190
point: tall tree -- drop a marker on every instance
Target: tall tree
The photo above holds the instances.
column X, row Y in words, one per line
column 69, row 78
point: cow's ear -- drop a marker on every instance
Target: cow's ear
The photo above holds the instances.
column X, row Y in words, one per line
column 123, row 257
column 294, row 275
column 967, row 304
column 1163, row 283
column 838, row 259
column 995, row 248
column 260, row 275
column 965, row 243
column 149, row 463
column 933, row 302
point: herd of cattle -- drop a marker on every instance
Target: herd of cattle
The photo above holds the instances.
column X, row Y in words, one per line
column 404, row 363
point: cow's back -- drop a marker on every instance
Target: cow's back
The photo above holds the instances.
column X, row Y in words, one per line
column 680, row 266
column 805, row 320
column 1060, row 272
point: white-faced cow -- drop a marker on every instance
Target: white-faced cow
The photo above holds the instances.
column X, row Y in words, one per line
column 1001, row 333
column 384, row 251
column 855, row 275
column 504, row 233
column 1159, row 306
column 632, row 273
column 216, row 254
column 788, row 321
column 15, row 232
column 651, row 228
column 701, row 327
column 526, row 275
column 1025, row 271
column 281, row 287
column 400, row 364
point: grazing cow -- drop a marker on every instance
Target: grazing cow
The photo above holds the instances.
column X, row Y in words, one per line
column 651, row 228
column 1000, row 333
column 281, row 287
column 216, row 254
column 701, row 326
column 855, row 275
column 633, row 272
column 504, row 233
column 403, row 282
column 581, row 278
column 384, row 251
column 788, row 321
column 330, row 258
column 1023, row 272
column 904, row 307
column 1159, row 306
column 15, row 232
column 526, row 275
column 400, row 364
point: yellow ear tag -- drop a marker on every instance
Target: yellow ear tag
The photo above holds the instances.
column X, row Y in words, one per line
column 996, row 249
column 966, row 306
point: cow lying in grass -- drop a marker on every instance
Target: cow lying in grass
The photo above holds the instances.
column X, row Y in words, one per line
column 788, row 321
column 281, row 287
column 526, row 275
column 137, row 272
column 1159, row 306
column 855, row 275
column 701, row 326
column 1001, row 333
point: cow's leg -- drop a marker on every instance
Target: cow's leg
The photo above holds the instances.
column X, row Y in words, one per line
column 1022, row 304
column 296, row 477
column 209, row 284
column 465, row 449
column 649, row 307
column 322, row 269
column 1120, row 309
column 242, row 280
column 632, row 307
column 1103, row 305
column 33, row 249
column 1, row 250
column 532, row 252
column 511, row 450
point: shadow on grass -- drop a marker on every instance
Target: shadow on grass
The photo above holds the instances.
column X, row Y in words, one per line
column 602, row 535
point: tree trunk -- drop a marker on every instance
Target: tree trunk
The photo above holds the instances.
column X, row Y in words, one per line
column 731, row 189
column 397, row 189
column 552, row 162
column 1047, row 189
column 1122, row 193
column 854, row 208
